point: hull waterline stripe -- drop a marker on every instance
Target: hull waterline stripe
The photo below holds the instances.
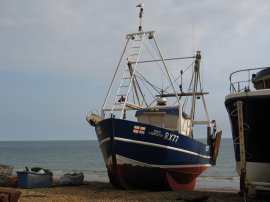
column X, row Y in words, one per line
column 154, row 145
column 160, row 146
column 139, row 163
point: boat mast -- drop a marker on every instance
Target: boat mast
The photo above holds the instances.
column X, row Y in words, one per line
column 128, row 80
column 197, row 82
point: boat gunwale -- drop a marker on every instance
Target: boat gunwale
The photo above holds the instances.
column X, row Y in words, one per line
column 243, row 94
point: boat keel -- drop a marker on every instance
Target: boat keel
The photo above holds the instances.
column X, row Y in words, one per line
column 136, row 177
column 177, row 183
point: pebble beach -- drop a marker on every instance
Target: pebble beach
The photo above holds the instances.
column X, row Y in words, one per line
column 100, row 191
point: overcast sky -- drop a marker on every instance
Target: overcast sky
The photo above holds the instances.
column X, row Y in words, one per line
column 57, row 57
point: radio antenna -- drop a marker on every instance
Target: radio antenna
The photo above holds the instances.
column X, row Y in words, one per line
column 140, row 15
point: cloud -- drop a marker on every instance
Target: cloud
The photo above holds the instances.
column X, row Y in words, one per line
column 81, row 41
column 76, row 38
column 64, row 37
column 7, row 23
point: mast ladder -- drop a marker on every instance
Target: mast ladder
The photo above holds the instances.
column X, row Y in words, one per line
column 121, row 97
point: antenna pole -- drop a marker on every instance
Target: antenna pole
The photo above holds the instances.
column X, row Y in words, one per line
column 140, row 15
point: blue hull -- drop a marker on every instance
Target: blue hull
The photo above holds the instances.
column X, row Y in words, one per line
column 139, row 155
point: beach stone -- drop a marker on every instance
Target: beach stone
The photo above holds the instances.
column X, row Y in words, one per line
column 213, row 200
column 5, row 180
column 71, row 179
column 9, row 195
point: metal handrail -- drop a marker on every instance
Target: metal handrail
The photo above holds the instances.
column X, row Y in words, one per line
column 237, row 84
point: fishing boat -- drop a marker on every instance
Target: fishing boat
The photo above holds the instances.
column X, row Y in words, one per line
column 146, row 127
column 248, row 106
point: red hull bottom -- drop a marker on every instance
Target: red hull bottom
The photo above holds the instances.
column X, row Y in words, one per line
column 136, row 177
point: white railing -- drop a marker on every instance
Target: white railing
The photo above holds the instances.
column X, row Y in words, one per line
column 241, row 80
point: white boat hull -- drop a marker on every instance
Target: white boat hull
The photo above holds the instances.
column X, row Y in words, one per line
column 256, row 172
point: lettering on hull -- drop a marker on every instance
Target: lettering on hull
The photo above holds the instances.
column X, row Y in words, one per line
column 171, row 137
column 167, row 136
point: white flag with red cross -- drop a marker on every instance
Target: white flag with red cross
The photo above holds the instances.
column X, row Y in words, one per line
column 139, row 130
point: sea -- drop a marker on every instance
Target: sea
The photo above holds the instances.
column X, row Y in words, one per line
column 85, row 156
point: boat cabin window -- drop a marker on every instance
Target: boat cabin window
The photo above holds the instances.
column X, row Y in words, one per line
column 159, row 118
column 259, row 85
column 262, row 84
column 267, row 84
column 156, row 120
column 166, row 118
column 261, row 80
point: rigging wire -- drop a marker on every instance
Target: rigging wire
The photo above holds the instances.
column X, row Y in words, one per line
column 144, row 81
column 180, row 75
column 158, row 56
column 156, row 88
column 150, row 92
column 189, row 90
column 140, row 90
column 161, row 69
column 157, row 63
